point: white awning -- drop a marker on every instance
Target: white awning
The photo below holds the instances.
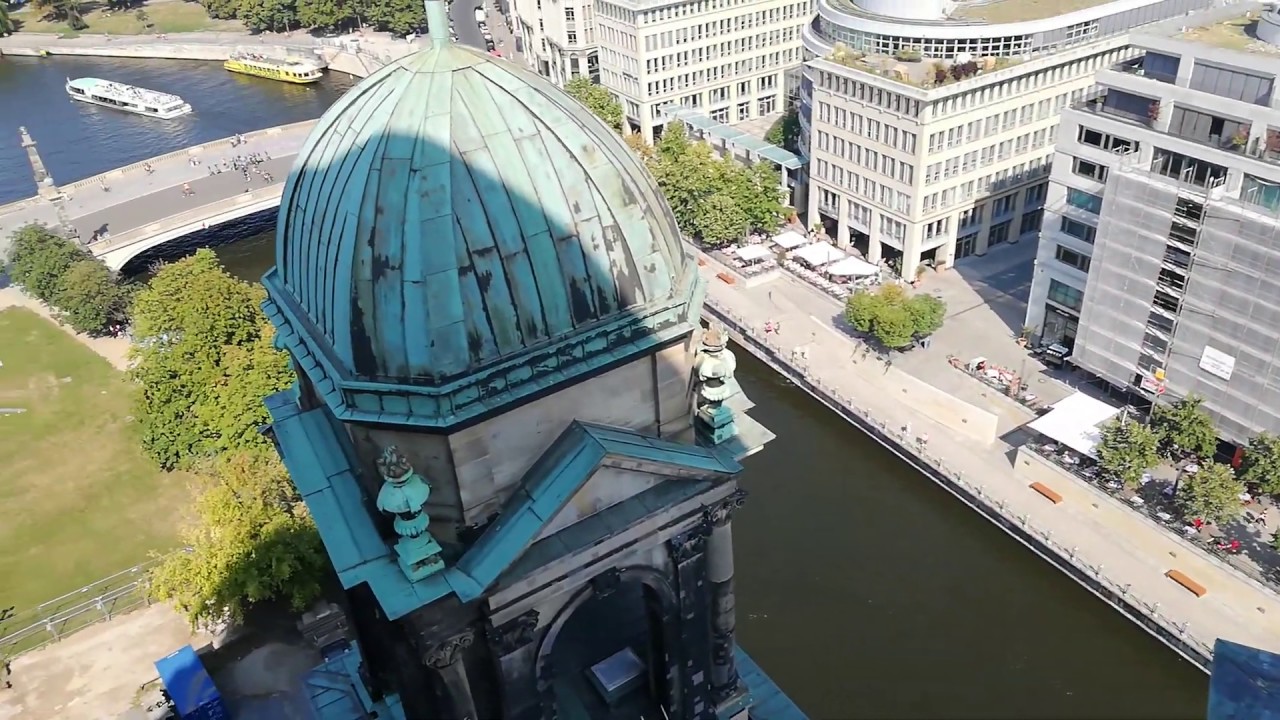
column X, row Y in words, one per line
column 751, row 253
column 1074, row 422
column 819, row 253
column 852, row 266
column 790, row 239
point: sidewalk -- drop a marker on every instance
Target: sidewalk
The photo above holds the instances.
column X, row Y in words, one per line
column 1103, row 534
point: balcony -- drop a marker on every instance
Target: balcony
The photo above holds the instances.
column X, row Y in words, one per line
column 1210, row 130
column 1153, row 66
column 1267, row 147
column 1122, row 106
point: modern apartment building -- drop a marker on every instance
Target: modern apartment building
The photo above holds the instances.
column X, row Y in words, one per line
column 727, row 59
column 930, row 125
column 558, row 38
column 1161, row 263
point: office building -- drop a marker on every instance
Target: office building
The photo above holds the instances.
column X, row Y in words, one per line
column 727, row 59
column 558, row 38
column 1161, row 264
column 930, row 125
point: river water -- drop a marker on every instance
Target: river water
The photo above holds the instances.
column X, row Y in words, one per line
column 863, row 589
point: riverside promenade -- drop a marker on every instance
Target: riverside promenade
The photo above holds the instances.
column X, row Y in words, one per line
column 1105, row 546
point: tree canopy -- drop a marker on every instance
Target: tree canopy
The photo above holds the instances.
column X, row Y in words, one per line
column 1184, row 429
column 7, row 25
column 1126, row 450
column 893, row 316
column 203, row 362
column 785, row 131
column 597, row 99
column 696, row 182
column 1260, row 465
column 1213, row 493
column 250, row 539
column 400, row 17
column 68, row 11
column 83, row 292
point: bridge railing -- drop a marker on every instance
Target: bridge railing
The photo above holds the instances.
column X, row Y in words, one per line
column 96, row 602
column 183, row 154
column 201, row 214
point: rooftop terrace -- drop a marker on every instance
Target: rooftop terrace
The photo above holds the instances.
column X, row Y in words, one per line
column 1238, row 33
column 1012, row 11
column 911, row 68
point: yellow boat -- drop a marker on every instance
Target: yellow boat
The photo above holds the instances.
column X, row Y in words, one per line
column 292, row 70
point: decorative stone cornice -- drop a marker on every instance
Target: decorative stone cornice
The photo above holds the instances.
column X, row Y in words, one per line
column 721, row 513
column 445, row 653
column 514, row 634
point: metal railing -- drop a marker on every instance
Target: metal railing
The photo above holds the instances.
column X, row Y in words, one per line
column 1177, row 635
column 204, row 214
column 96, row 602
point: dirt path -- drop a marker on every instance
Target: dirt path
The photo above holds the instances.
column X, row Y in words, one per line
column 114, row 350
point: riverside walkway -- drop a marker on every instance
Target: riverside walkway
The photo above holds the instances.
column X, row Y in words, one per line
column 135, row 210
column 1104, row 545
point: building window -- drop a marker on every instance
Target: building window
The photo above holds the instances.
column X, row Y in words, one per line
column 967, row 245
column 1063, row 294
column 1067, row 256
column 1031, row 222
column 568, row 14
column 1078, row 230
column 744, row 111
column 1106, row 141
column 1003, row 205
column 767, row 105
column 1188, row 169
column 571, row 38
column 1256, row 191
column 999, row 233
column 1091, row 170
column 1084, row 201
column 1035, row 195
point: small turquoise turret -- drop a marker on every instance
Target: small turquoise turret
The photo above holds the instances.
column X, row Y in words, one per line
column 404, row 494
column 714, row 367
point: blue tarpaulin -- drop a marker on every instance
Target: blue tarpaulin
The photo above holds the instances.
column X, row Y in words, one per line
column 192, row 690
column 1244, row 684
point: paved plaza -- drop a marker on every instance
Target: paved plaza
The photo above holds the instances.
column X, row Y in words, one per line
column 1132, row 550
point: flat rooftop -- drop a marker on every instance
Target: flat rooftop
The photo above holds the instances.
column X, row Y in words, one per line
column 1239, row 33
column 1011, row 11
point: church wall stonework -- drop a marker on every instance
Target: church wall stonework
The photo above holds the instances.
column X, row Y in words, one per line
column 491, row 456
column 608, row 487
column 430, row 456
column 672, row 368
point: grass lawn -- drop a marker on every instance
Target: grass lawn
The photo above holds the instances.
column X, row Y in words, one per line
column 169, row 16
column 79, row 500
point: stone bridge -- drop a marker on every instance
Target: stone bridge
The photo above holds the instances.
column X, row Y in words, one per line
column 132, row 210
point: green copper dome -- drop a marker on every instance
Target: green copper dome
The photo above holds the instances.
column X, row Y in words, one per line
column 457, row 230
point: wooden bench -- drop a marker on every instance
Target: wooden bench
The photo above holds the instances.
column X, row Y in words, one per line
column 702, row 262
column 1049, row 493
column 727, row 278
column 1190, row 585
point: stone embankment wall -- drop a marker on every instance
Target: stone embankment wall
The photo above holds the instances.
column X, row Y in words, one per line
column 1090, row 578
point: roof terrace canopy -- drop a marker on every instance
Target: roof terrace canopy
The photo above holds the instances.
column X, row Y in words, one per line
column 819, row 253
column 1074, row 422
column 751, row 253
column 790, row 239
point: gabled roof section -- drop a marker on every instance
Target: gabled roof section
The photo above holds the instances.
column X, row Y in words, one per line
column 317, row 453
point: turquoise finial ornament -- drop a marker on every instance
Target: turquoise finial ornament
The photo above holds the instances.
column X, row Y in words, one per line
column 714, row 369
column 404, row 494
column 438, row 23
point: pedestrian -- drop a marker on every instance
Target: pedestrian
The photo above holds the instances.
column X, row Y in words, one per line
column 8, row 673
column 924, row 440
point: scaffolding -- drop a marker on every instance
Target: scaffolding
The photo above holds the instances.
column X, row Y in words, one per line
column 1184, row 293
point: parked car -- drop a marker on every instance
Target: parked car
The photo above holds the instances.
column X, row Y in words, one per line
column 480, row 14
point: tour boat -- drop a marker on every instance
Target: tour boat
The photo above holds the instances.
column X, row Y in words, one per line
column 127, row 97
column 293, row 70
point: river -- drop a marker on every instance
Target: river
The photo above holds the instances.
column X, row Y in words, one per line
column 863, row 589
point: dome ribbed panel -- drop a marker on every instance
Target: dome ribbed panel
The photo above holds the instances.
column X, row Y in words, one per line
column 460, row 211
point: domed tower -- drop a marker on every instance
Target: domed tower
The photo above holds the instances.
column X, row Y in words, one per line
column 524, row 488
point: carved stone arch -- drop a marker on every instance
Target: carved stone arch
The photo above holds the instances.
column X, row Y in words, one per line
column 606, row 582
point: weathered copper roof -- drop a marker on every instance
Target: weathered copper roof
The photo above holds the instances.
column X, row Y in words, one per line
column 455, row 212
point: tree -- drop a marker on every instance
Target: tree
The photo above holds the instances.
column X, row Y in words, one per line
column 1260, row 466
column 327, row 14
column 1213, row 493
column 68, row 11
column 39, row 258
column 597, row 99
column 720, row 220
column 89, row 298
column 927, row 314
column 1184, row 429
column 893, row 326
column 7, row 25
column 251, row 539
column 862, row 308
column 785, row 131
column 399, row 17
column 1126, row 450
column 190, row 321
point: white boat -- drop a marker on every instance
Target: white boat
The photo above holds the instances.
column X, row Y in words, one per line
column 127, row 97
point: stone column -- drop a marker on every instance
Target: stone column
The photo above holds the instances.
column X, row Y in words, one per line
column 446, row 659
column 812, row 218
column 842, row 226
column 724, row 669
